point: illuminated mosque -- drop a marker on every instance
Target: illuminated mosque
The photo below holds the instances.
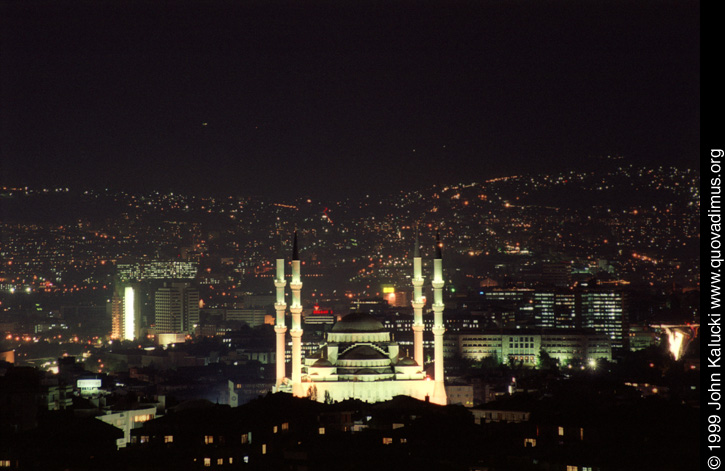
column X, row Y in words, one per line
column 359, row 359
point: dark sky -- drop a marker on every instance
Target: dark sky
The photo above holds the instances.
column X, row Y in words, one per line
column 306, row 97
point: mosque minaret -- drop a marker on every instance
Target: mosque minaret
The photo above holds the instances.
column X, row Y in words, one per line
column 296, row 331
column 439, row 329
column 418, row 303
column 279, row 327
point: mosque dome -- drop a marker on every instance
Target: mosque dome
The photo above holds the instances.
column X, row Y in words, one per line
column 363, row 352
column 358, row 322
column 407, row 361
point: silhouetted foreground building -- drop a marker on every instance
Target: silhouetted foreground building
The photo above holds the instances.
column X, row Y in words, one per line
column 284, row 432
column 62, row 441
column 582, row 425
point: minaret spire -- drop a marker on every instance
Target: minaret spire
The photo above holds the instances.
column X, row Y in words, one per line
column 416, row 248
column 439, row 390
column 439, row 246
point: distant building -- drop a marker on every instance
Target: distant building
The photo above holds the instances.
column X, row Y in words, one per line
column 258, row 300
column 176, row 308
column 566, row 346
column 544, row 309
column 156, row 270
column 320, row 317
column 557, row 274
column 525, row 345
column 605, row 312
column 565, row 309
column 126, row 312
column 485, row 416
column 251, row 317
column 396, row 298
column 116, row 316
column 461, row 394
column 169, row 338
column 641, row 337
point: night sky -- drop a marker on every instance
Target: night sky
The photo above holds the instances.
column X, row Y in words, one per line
column 339, row 98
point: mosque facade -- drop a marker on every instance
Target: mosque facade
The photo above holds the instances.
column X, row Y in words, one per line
column 359, row 360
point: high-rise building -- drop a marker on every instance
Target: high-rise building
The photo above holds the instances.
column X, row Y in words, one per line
column 116, row 316
column 168, row 310
column 565, row 310
column 156, row 270
column 176, row 308
column 191, row 308
column 557, row 274
column 605, row 312
column 126, row 312
column 544, row 309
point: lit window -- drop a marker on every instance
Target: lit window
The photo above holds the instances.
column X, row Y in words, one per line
column 207, row 462
column 403, row 440
column 220, row 461
column 168, row 439
column 529, row 442
column 208, row 439
column 274, row 429
column 144, row 439
column 4, row 463
column 245, row 438
column 387, row 440
column 572, row 468
column 322, row 430
column 285, row 426
column 264, row 448
column 231, row 460
column 561, row 431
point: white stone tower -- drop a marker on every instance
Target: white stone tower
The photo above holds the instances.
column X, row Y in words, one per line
column 418, row 303
column 296, row 331
column 439, row 391
column 279, row 327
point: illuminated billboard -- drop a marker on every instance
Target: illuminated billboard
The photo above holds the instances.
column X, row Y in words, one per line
column 88, row 383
